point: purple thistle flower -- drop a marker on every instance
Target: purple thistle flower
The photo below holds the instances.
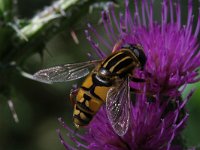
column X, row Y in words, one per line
column 172, row 62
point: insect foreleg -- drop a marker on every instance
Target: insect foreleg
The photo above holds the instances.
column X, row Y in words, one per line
column 150, row 97
column 134, row 79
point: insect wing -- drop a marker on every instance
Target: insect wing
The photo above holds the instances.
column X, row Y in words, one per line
column 118, row 107
column 64, row 73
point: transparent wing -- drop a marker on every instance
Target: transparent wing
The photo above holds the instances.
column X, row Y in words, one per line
column 64, row 73
column 118, row 107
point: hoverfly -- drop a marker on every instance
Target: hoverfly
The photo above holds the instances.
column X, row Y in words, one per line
column 107, row 83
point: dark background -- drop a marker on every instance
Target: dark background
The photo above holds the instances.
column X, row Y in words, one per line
column 39, row 105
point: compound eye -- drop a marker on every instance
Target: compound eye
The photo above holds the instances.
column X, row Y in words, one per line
column 138, row 52
column 141, row 56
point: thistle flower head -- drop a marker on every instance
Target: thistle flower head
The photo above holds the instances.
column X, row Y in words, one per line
column 172, row 62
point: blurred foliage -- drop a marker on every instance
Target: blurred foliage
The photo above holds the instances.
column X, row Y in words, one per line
column 37, row 34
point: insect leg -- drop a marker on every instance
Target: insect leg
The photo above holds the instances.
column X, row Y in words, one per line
column 136, row 91
column 134, row 79
column 150, row 97
column 117, row 46
column 72, row 96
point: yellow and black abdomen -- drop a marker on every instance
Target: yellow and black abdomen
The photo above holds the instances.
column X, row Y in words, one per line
column 89, row 99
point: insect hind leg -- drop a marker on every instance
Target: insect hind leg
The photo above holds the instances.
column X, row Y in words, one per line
column 73, row 93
